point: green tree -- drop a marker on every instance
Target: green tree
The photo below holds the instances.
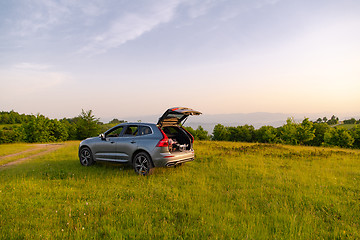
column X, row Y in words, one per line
column 233, row 134
column 305, row 131
column 70, row 128
column 319, row 120
column 266, row 134
column 86, row 125
column 202, row 134
column 320, row 130
column 334, row 120
column 37, row 129
column 116, row 121
column 246, row 133
column 43, row 129
column 288, row 132
column 11, row 134
column 57, row 131
column 220, row 133
column 350, row 121
column 338, row 137
column 355, row 133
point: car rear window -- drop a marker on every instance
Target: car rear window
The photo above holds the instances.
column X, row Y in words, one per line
column 145, row 130
column 175, row 115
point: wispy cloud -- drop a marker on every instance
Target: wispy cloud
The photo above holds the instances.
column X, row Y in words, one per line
column 200, row 8
column 39, row 16
column 238, row 7
column 131, row 26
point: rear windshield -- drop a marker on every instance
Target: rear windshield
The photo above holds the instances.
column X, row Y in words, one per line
column 175, row 115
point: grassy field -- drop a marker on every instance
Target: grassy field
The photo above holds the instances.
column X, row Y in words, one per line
column 347, row 126
column 232, row 190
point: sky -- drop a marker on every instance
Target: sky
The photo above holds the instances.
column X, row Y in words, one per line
column 125, row 58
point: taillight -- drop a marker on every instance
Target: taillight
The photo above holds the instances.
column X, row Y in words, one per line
column 164, row 142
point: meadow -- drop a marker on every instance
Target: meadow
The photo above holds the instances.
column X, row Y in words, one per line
column 232, row 190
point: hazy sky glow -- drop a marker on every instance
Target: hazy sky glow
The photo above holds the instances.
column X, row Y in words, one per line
column 132, row 58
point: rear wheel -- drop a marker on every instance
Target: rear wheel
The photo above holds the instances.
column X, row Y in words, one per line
column 142, row 164
column 85, row 156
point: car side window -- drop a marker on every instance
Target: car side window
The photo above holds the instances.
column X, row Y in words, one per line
column 145, row 130
column 131, row 130
column 115, row 132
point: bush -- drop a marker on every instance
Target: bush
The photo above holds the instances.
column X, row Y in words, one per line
column 42, row 129
column 266, row 134
column 199, row 133
column 86, row 125
column 320, row 130
column 355, row 134
column 220, row 133
column 338, row 137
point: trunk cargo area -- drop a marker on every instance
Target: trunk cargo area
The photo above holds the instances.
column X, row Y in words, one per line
column 179, row 141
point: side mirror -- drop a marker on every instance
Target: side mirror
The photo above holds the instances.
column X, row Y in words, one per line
column 102, row 136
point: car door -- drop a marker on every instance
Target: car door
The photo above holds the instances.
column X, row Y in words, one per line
column 105, row 149
column 126, row 144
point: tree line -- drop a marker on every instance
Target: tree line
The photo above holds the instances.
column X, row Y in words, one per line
column 308, row 133
column 305, row 133
column 38, row 128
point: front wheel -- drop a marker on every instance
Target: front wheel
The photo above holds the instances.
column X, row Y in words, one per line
column 142, row 164
column 85, row 156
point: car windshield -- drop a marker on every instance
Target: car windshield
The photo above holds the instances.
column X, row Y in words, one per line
column 115, row 132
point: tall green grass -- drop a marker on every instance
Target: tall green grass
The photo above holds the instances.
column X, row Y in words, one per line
column 231, row 190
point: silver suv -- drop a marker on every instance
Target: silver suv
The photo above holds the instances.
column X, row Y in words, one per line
column 143, row 145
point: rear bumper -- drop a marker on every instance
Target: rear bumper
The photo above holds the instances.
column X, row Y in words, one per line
column 174, row 163
column 171, row 159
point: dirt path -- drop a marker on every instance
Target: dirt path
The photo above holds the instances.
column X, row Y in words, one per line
column 47, row 148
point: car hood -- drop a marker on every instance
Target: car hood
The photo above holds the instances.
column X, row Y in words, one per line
column 175, row 116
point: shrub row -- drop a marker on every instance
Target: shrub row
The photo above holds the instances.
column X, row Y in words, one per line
column 304, row 133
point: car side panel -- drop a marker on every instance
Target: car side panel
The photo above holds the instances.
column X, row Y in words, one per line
column 104, row 150
column 125, row 147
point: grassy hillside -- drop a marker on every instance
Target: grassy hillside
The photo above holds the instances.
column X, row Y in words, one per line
column 232, row 190
column 347, row 126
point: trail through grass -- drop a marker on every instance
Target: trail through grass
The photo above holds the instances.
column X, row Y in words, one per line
column 23, row 153
column 231, row 190
column 6, row 149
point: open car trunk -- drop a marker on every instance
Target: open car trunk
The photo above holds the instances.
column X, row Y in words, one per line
column 170, row 122
column 176, row 116
column 179, row 139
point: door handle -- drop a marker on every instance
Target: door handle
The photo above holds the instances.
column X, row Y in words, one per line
column 112, row 142
column 133, row 141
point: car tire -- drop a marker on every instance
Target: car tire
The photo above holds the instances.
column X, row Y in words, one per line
column 85, row 156
column 142, row 164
